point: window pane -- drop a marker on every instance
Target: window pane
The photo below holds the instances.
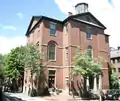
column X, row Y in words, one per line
column 118, row 60
column 66, row 50
column 52, row 31
column 114, row 69
column 66, row 28
column 52, row 48
column 88, row 33
column 51, row 71
column 119, row 70
column 52, row 26
column 89, row 51
column 52, row 51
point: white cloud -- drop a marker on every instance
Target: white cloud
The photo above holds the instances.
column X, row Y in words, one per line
column 7, row 43
column 9, row 27
column 20, row 15
column 108, row 14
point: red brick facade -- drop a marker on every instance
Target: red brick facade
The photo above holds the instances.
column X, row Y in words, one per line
column 70, row 38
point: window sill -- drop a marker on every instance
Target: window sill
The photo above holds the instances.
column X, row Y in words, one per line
column 89, row 38
column 53, row 35
column 52, row 60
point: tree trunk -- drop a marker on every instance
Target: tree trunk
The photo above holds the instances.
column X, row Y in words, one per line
column 38, row 84
column 32, row 80
column 41, row 84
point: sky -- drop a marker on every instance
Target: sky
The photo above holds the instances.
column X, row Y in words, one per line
column 15, row 16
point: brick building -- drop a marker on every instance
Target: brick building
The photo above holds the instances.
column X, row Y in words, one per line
column 60, row 39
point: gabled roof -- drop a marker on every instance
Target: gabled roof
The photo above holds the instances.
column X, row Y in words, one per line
column 83, row 14
column 73, row 17
column 33, row 18
column 39, row 20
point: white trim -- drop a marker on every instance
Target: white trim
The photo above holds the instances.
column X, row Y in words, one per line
column 58, row 66
column 51, row 69
column 64, row 67
column 62, row 46
column 104, row 68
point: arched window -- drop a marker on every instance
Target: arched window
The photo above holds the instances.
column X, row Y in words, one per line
column 89, row 51
column 51, row 51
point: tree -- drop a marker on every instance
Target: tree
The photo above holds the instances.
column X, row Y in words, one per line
column 1, row 66
column 114, row 78
column 34, row 61
column 85, row 65
column 14, row 67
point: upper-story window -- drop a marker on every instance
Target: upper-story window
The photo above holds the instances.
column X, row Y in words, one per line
column 113, row 60
column 51, row 51
column 119, row 70
column 52, row 29
column 66, row 28
column 118, row 60
column 114, row 69
column 90, row 51
column 88, row 33
column 106, row 39
column 66, row 50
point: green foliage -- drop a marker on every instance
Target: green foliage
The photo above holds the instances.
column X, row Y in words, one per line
column 13, row 65
column 85, row 65
column 34, row 58
column 1, row 66
column 34, row 61
column 114, row 78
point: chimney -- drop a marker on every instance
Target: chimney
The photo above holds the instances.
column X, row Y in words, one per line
column 69, row 13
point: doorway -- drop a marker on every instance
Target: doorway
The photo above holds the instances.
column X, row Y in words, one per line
column 51, row 78
column 67, row 83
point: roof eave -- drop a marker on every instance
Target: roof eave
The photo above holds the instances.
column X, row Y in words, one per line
column 29, row 26
column 40, row 19
column 101, row 27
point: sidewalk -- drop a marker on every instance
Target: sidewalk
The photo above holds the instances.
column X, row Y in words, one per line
column 61, row 96
column 26, row 97
column 64, row 97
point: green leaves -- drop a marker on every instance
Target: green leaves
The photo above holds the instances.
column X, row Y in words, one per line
column 34, row 58
column 14, row 67
column 85, row 65
column 114, row 77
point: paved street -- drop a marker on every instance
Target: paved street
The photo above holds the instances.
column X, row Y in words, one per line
column 22, row 97
column 25, row 97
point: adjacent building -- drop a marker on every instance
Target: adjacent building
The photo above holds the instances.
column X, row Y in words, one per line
column 115, row 60
column 60, row 39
